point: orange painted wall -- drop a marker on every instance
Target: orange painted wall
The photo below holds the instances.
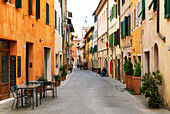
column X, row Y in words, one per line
column 18, row 26
column 74, row 48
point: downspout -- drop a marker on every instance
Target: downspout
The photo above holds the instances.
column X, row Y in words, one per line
column 159, row 34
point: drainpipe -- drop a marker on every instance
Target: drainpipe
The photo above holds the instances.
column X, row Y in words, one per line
column 159, row 34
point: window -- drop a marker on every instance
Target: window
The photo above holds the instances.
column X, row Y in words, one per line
column 38, row 10
column 122, row 32
column 73, row 44
column 55, row 19
column 166, row 9
column 47, row 13
column 10, row 1
column 77, row 44
column 59, row 25
column 132, row 19
column 142, row 12
column 18, row 3
column 123, row 2
column 154, row 3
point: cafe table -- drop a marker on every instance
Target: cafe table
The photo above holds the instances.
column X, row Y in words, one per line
column 38, row 82
column 29, row 87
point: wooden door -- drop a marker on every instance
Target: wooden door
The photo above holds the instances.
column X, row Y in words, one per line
column 4, row 75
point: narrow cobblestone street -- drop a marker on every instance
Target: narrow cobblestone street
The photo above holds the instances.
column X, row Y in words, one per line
column 85, row 93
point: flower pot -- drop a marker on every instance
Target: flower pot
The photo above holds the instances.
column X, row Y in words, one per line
column 62, row 78
column 126, row 79
column 58, row 83
column 130, row 82
column 136, row 83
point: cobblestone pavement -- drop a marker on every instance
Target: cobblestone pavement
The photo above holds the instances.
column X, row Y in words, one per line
column 85, row 93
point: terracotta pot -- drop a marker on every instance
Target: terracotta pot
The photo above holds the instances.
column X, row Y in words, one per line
column 126, row 79
column 62, row 78
column 136, row 83
column 58, row 83
column 130, row 82
column 38, row 89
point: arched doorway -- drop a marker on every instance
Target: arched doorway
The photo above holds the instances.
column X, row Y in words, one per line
column 156, row 58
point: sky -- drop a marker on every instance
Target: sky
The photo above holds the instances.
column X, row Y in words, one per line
column 80, row 9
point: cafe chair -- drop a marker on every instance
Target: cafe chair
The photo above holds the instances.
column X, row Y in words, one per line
column 15, row 92
column 49, row 87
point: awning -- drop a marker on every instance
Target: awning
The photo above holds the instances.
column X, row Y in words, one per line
column 149, row 7
column 143, row 10
column 85, row 60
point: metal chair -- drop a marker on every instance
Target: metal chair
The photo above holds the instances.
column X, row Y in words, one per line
column 15, row 92
column 49, row 87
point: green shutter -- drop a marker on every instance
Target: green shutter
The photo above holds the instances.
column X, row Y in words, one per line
column 59, row 25
column 30, row 7
column 110, row 15
column 155, row 5
column 122, row 30
column 47, row 13
column 125, row 26
column 143, row 7
column 18, row 3
column 129, row 25
column 38, row 9
column 113, row 9
column 166, row 9
column 55, row 19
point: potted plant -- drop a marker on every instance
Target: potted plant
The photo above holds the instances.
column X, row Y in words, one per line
column 126, row 77
column 137, row 79
column 70, row 69
column 41, row 78
column 57, row 78
column 129, row 72
column 63, row 73
column 150, row 88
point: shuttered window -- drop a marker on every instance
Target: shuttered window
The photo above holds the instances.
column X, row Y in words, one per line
column 143, row 8
column 59, row 25
column 55, row 19
column 47, row 13
column 38, row 9
column 154, row 3
column 118, row 37
column 122, row 36
column 30, row 7
column 125, row 26
column 116, row 10
column 110, row 15
column 113, row 11
column 166, row 9
column 115, row 38
column 111, row 37
column 18, row 3
column 129, row 25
